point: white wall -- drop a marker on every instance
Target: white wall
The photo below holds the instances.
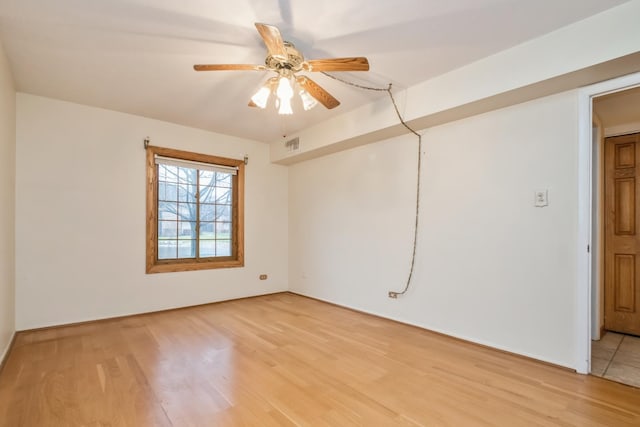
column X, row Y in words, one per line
column 7, row 203
column 491, row 268
column 80, row 216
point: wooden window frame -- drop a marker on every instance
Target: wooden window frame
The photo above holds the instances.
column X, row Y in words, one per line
column 153, row 264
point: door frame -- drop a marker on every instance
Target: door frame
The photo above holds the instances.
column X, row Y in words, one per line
column 586, row 172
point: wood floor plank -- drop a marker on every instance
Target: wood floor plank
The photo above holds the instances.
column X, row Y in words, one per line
column 286, row 360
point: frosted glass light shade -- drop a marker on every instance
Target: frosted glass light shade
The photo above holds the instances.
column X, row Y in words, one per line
column 284, row 92
column 261, row 97
column 308, row 101
column 284, row 88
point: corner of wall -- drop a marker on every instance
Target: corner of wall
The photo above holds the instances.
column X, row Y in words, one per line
column 7, row 200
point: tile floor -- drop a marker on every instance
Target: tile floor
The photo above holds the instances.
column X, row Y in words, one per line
column 617, row 357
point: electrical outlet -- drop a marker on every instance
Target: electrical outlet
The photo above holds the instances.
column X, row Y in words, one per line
column 263, row 277
column 541, row 198
column 393, row 294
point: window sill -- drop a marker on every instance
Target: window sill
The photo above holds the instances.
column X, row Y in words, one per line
column 170, row 267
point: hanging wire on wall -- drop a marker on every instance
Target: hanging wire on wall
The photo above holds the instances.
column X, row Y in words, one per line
column 395, row 294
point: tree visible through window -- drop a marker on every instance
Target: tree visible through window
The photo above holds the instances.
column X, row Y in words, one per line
column 194, row 210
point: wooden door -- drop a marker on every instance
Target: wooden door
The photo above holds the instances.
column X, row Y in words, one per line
column 622, row 240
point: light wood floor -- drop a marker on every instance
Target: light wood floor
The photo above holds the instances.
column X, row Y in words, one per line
column 288, row 360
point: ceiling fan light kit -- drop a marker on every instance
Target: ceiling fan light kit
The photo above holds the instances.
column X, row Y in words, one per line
column 283, row 88
column 285, row 60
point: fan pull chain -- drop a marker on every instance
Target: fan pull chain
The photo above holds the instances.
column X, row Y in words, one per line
column 394, row 294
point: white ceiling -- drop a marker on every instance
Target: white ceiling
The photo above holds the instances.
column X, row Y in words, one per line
column 136, row 56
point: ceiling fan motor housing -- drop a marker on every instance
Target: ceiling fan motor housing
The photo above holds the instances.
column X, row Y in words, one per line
column 293, row 62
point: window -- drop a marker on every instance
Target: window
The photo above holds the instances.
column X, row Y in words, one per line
column 194, row 211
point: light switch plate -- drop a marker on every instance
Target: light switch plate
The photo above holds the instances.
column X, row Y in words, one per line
column 541, row 198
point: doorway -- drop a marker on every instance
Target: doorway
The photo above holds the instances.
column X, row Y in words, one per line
column 615, row 302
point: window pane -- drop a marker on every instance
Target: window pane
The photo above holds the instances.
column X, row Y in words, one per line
column 167, row 211
column 207, row 193
column 207, row 212
column 223, row 179
column 171, row 193
column 187, row 211
column 186, row 249
column 206, row 177
column 187, row 229
column 167, row 249
column 162, row 173
column 207, row 230
column 223, row 230
column 167, row 230
column 223, row 247
column 223, row 196
column 187, row 193
column 223, row 213
column 187, row 175
column 162, row 190
column 168, row 173
column 207, row 248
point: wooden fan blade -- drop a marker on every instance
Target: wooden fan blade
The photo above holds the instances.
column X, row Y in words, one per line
column 228, row 67
column 359, row 63
column 273, row 40
column 251, row 103
column 321, row 95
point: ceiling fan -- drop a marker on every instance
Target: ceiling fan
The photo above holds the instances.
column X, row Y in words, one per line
column 284, row 59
